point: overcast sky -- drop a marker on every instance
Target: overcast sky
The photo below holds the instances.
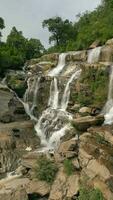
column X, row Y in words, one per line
column 27, row 15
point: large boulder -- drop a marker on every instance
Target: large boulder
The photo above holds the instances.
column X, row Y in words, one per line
column 64, row 187
column 95, row 159
column 83, row 123
column 22, row 132
column 11, row 109
column 106, row 54
column 14, row 189
column 76, row 56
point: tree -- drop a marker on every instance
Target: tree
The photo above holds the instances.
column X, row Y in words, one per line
column 61, row 30
column 16, row 40
column 34, row 48
column 2, row 26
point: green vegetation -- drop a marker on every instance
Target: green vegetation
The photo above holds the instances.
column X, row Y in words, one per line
column 64, row 36
column 93, row 87
column 46, row 170
column 68, row 167
column 90, row 194
column 100, row 139
column 17, row 50
column 89, row 27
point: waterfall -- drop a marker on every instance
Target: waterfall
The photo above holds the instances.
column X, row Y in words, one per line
column 54, row 93
column 54, row 121
column 93, row 55
column 32, row 88
column 61, row 64
column 66, row 95
column 108, row 108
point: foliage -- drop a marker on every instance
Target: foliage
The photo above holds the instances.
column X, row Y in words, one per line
column 89, row 27
column 46, row 169
column 2, row 26
column 68, row 167
column 61, row 31
column 90, row 194
column 17, row 50
column 94, row 87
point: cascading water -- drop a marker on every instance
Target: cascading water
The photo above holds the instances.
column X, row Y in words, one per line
column 54, row 121
column 61, row 64
column 54, row 94
column 32, row 89
column 93, row 56
column 66, row 95
column 108, row 109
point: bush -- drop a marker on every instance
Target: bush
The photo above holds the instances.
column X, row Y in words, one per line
column 68, row 167
column 46, row 170
column 90, row 194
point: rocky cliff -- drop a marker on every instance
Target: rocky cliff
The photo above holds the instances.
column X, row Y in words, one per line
column 58, row 112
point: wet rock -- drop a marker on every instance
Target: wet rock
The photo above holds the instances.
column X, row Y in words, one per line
column 83, row 123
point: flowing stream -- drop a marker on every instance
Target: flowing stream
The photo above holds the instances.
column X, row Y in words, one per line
column 61, row 64
column 54, row 121
column 94, row 54
column 108, row 109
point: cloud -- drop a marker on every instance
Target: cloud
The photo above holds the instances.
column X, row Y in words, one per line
column 27, row 15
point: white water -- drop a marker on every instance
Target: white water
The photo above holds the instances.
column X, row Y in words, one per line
column 66, row 95
column 93, row 56
column 31, row 90
column 54, row 94
column 54, row 121
column 61, row 64
column 108, row 109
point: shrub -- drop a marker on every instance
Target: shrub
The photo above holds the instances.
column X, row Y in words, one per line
column 68, row 167
column 90, row 194
column 46, row 169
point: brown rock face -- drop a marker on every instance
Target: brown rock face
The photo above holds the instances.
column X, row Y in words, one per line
column 64, row 187
column 106, row 54
column 83, row 123
column 14, row 190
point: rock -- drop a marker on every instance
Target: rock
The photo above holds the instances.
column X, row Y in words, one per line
column 104, row 188
column 40, row 188
column 5, row 98
column 95, row 44
column 8, row 154
column 84, row 110
column 10, row 108
column 106, row 54
column 83, row 123
column 14, row 190
column 109, row 42
column 77, row 56
column 16, row 80
column 67, row 150
column 64, row 187
column 22, row 132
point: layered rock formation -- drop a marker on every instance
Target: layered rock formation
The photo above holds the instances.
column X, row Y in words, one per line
column 84, row 148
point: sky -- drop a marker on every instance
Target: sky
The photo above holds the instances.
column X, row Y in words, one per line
column 27, row 15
